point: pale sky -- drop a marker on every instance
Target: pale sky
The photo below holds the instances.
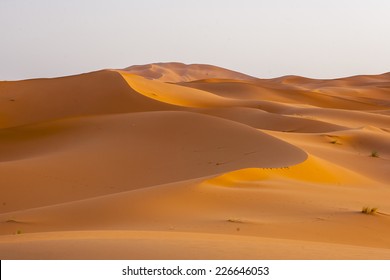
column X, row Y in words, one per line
column 263, row 38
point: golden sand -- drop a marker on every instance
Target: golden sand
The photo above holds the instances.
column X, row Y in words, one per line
column 174, row 161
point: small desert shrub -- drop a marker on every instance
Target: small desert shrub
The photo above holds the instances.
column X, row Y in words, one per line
column 374, row 154
column 234, row 220
column 19, row 231
column 370, row 211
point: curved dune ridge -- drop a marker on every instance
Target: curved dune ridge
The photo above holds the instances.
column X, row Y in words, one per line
column 215, row 163
column 174, row 94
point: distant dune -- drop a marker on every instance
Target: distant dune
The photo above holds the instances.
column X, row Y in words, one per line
column 175, row 72
column 175, row 161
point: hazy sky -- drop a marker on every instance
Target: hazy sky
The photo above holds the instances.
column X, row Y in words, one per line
column 264, row 38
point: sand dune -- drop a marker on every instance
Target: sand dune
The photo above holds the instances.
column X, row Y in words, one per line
column 170, row 245
column 198, row 161
column 270, row 121
column 319, row 95
column 103, row 92
column 128, row 151
column 175, row 72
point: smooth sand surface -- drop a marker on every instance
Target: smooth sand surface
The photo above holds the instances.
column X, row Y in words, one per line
column 175, row 161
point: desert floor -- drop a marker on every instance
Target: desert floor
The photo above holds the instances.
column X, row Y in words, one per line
column 174, row 161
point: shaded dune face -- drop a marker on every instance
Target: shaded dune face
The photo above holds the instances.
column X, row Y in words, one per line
column 198, row 155
column 130, row 151
column 97, row 93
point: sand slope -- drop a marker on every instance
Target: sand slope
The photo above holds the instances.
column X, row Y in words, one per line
column 175, row 161
column 103, row 92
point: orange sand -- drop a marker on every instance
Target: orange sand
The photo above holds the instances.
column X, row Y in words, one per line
column 174, row 161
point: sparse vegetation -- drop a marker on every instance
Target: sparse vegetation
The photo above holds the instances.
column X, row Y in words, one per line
column 374, row 154
column 369, row 210
column 19, row 231
column 234, row 220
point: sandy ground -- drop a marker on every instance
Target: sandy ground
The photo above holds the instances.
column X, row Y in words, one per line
column 174, row 161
